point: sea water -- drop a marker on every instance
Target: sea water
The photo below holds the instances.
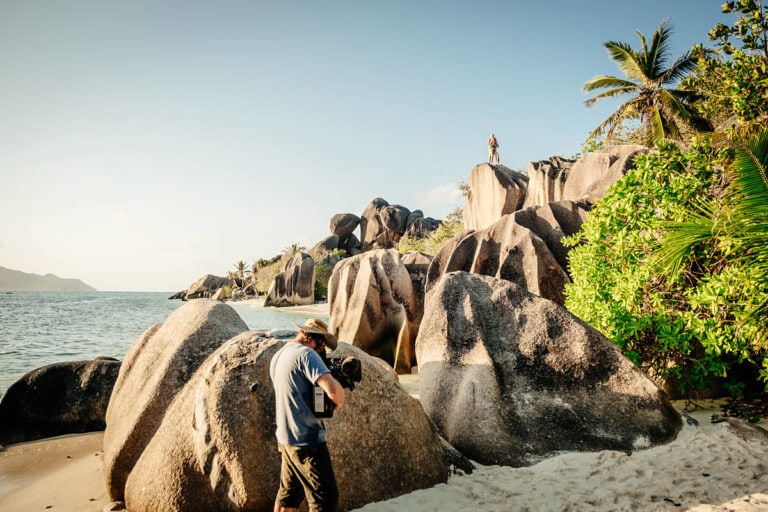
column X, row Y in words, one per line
column 41, row 328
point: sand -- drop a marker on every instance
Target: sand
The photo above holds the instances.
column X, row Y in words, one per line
column 59, row 474
column 319, row 309
column 708, row 467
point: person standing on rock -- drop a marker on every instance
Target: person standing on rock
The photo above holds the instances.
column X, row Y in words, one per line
column 493, row 146
column 306, row 470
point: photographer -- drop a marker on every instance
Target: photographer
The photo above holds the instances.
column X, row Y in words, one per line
column 306, row 469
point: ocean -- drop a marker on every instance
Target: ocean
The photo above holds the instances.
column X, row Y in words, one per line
column 41, row 328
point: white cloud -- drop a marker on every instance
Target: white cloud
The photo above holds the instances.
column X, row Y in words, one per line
column 439, row 201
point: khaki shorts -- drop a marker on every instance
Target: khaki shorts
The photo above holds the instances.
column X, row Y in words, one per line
column 306, row 471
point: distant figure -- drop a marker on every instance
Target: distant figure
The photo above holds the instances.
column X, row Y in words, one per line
column 493, row 145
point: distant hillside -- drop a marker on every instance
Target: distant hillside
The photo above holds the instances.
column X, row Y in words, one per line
column 14, row 280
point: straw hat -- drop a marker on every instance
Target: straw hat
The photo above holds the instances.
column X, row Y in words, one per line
column 317, row 326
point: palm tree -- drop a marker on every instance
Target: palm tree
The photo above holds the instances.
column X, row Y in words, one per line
column 741, row 220
column 242, row 271
column 663, row 112
column 293, row 249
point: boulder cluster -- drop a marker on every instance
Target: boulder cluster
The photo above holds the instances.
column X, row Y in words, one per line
column 506, row 374
column 190, row 425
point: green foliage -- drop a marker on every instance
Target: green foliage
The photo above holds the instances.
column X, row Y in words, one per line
column 679, row 329
column 293, row 249
column 751, row 29
column 242, row 271
column 322, row 277
column 263, row 277
column 672, row 264
column 736, row 88
column 451, row 225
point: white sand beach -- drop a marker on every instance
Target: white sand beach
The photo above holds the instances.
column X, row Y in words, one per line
column 708, row 467
column 319, row 309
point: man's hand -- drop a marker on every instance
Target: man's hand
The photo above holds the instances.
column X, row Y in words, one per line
column 333, row 389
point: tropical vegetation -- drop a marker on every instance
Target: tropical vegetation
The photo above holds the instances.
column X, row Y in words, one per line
column 672, row 263
column 431, row 244
column 662, row 110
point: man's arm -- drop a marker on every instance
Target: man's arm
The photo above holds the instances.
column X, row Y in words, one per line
column 333, row 389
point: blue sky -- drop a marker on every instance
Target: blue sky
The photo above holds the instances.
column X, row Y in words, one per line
column 144, row 144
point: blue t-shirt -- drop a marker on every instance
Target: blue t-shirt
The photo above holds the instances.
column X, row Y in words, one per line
column 294, row 370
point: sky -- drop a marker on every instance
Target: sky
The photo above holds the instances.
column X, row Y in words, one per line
column 144, row 144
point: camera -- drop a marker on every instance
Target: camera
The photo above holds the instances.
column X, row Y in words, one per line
column 347, row 371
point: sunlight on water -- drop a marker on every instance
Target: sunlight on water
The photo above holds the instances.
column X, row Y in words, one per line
column 41, row 328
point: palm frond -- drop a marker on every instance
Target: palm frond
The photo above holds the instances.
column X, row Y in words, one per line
column 603, row 81
column 609, row 94
column 654, row 125
column 627, row 59
column 681, row 238
column 750, row 217
column 682, row 67
column 752, row 160
column 625, row 111
column 657, row 55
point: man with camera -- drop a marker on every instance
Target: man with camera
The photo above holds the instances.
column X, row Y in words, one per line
column 297, row 370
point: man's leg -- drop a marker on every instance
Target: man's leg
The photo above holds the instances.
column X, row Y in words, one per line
column 313, row 467
column 291, row 492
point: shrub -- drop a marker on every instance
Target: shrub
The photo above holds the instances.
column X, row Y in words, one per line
column 683, row 329
column 452, row 225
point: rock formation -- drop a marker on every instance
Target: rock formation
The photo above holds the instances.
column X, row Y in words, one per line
column 61, row 398
column 327, row 244
column 373, row 306
column 494, row 191
column 417, row 265
column 510, row 250
column 552, row 221
column 154, row 370
column 295, row 285
column 546, row 181
column 592, row 175
column 382, row 225
column 343, row 225
column 213, row 448
column 510, row 378
column 420, row 226
column 205, row 287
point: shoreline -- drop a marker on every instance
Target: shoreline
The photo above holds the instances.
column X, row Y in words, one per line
column 709, row 467
column 319, row 308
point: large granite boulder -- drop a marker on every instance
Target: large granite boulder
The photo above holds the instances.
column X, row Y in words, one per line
column 206, row 286
column 395, row 218
column 592, row 175
column 382, row 225
column 553, row 221
column 510, row 378
column 546, row 181
column 216, row 451
column 506, row 250
column 344, row 224
column 372, row 228
column 155, row 369
column 327, row 244
column 295, row 285
column 418, row 226
column 372, row 305
column 61, row 398
column 417, row 265
column 494, row 191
